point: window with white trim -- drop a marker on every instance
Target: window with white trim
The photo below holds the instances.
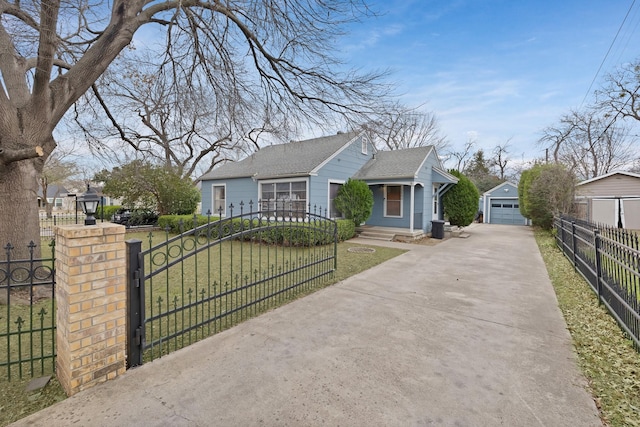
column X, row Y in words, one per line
column 219, row 195
column 364, row 148
column 334, row 187
column 286, row 196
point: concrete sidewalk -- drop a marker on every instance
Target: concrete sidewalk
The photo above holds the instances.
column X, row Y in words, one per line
column 464, row 333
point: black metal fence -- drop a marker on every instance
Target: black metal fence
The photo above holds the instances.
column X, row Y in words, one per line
column 27, row 314
column 48, row 224
column 207, row 279
column 609, row 260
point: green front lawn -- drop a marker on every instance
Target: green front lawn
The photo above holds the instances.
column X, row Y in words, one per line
column 15, row 403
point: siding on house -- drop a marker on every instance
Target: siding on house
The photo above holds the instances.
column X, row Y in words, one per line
column 334, row 159
column 611, row 199
column 415, row 167
column 317, row 161
column 616, row 185
column 237, row 190
column 339, row 168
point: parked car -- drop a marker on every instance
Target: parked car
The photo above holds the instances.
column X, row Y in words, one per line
column 134, row 217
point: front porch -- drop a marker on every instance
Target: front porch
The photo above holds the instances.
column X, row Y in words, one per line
column 389, row 233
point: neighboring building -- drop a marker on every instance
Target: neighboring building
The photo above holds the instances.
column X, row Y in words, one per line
column 407, row 185
column 500, row 205
column 55, row 197
column 612, row 199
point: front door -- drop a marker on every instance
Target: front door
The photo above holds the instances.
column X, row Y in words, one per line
column 393, row 201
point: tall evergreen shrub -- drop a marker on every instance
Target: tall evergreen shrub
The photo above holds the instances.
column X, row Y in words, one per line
column 461, row 201
column 355, row 201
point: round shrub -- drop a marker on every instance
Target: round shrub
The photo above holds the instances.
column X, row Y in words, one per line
column 461, row 201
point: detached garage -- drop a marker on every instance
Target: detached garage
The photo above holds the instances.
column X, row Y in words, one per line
column 500, row 205
column 612, row 199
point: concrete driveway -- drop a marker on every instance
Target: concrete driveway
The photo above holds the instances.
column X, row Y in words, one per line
column 463, row 333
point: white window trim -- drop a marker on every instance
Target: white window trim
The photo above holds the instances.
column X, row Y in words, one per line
column 213, row 199
column 275, row 181
column 364, row 145
column 329, row 182
column 401, row 201
column 436, row 201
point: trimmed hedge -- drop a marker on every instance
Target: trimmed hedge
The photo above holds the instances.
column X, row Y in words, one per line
column 346, row 229
column 280, row 233
column 181, row 223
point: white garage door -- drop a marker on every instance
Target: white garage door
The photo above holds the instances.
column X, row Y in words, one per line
column 505, row 211
column 631, row 212
column 605, row 211
column 615, row 212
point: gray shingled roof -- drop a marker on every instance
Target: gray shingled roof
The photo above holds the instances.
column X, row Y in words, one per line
column 394, row 164
column 283, row 160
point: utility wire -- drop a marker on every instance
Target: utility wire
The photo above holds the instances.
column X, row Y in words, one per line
column 607, row 54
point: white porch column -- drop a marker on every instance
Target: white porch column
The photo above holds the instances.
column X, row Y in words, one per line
column 413, row 202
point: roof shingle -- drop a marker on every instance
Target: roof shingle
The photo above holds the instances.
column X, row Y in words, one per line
column 283, row 160
column 394, row 164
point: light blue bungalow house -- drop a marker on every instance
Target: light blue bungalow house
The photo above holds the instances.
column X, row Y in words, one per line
column 407, row 185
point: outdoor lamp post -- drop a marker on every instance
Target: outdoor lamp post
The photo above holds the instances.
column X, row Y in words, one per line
column 89, row 201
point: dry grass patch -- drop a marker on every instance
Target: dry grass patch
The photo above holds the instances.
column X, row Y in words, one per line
column 606, row 356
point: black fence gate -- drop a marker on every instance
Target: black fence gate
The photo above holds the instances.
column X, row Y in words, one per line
column 217, row 274
column 27, row 314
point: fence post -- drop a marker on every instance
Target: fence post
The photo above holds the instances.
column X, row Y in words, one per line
column 91, row 299
column 596, row 244
column 573, row 244
column 135, row 303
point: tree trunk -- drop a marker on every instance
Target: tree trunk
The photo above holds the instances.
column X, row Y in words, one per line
column 19, row 217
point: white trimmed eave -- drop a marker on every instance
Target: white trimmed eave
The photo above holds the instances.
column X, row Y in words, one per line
column 286, row 176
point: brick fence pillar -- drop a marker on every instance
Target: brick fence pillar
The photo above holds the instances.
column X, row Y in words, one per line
column 91, row 304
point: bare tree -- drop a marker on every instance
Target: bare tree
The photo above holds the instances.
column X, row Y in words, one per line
column 52, row 52
column 590, row 143
column 397, row 127
column 501, row 159
column 620, row 93
column 175, row 119
column 463, row 156
column 555, row 137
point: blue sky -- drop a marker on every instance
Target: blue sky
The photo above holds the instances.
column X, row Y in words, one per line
column 496, row 69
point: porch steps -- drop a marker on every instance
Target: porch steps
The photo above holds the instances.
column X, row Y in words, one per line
column 377, row 235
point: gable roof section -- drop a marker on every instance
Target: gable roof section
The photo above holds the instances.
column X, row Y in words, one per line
column 607, row 175
column 395, row 164
column 441, row 176
column 53, row 190
column 499, row 186
column 296, row 158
